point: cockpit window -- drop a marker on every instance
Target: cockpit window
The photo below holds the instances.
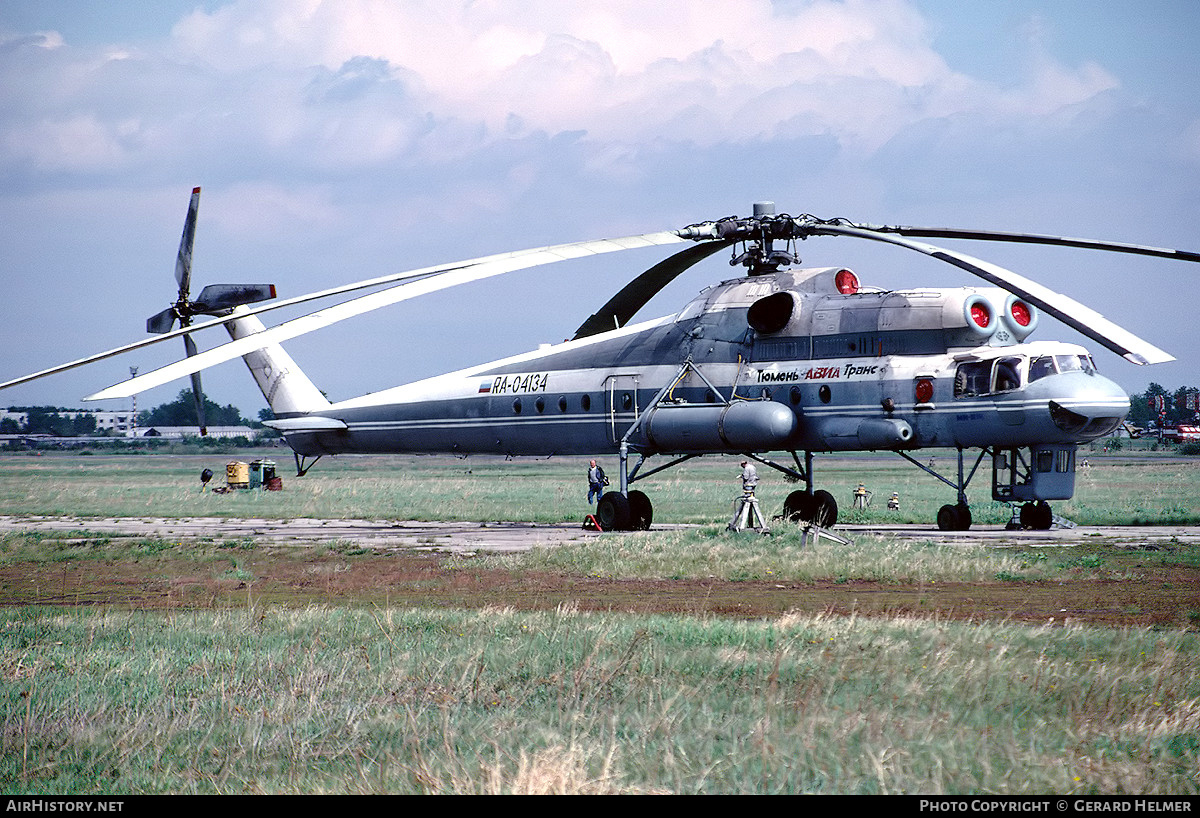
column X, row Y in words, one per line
column 1049, row 365
column 973, row 379
column 1074, row 363
column 988, row 377
column 1008, row 374
column 1041, row 367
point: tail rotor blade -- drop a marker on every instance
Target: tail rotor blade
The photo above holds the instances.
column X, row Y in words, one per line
column 198, row 396
column 197, row 391
column 183, row 262
column 161, row 322
column 217, row 297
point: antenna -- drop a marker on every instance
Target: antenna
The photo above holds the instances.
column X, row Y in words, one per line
column 133, row 418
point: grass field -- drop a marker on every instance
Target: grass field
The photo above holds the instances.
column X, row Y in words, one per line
column 1114, row 490
column 494, row 701
column 259, row 694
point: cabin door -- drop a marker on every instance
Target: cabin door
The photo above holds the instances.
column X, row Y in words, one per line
column 621, row 404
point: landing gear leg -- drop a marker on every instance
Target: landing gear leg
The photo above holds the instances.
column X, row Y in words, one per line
column 301, row 466
column 956, row 517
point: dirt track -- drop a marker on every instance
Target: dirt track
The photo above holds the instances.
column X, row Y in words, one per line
column 416, row 572
column 454, row 537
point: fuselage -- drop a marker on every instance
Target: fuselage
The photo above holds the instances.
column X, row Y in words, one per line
column 778, row 362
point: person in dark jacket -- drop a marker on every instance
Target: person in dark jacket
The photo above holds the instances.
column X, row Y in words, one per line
column 596, row 482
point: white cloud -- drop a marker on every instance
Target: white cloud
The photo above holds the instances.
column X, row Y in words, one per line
column 318, row 85
column 626, row 70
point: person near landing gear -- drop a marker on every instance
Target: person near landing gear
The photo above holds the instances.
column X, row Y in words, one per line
column 596, row 482
column 749, row 477
column 747, row 513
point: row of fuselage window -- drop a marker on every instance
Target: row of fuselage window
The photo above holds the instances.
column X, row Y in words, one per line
column 972, row 379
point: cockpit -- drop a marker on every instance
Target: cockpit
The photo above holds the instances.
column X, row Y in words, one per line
column 1044, row 365
column 1012, row 372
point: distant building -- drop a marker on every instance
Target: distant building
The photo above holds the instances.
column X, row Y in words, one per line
column 119, row 423
column 115, row 423
column 180, row 432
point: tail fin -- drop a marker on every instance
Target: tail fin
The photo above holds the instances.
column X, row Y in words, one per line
column 288, row 391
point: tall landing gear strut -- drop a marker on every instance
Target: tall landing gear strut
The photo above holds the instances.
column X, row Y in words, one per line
column 955, row 517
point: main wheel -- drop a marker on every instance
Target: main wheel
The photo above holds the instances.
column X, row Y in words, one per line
column 641, row 512
column 797, row 507
column 818, row 508
column 612, row 512
column 824, row 509
column 964, row 516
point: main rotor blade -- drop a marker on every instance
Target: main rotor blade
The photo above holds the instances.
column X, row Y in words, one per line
column 391, row 278
column 634, row 295
column 183, row 262
column 462, row 274
column 212, row 322
column 1031, row 238
column 1075, row 315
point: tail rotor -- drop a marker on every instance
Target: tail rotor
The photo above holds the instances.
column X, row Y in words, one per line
column 215, row 299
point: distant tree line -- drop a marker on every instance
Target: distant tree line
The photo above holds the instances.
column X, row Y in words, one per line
column 1162, row 407
column 182, row 412
column 62, row 422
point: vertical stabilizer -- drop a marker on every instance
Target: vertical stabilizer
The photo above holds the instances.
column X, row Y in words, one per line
column 288, row 391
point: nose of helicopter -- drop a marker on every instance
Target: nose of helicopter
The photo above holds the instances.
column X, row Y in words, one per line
column 1088, row 406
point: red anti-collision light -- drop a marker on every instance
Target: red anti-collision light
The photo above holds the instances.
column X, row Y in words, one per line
column 846, row 282
column 924, row 390
column 981, row 315
column 1021, row 314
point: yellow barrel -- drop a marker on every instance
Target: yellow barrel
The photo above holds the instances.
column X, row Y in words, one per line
column 237, row 474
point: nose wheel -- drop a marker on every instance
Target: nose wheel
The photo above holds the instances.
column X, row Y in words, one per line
column 954, row 517
column 1037, row 515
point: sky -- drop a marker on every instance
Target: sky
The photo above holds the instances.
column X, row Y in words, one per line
column 338, row 141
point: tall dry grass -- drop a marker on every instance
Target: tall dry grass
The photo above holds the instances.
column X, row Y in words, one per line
column 495, row 701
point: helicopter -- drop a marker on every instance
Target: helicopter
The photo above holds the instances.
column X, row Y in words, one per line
column 779, row 359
